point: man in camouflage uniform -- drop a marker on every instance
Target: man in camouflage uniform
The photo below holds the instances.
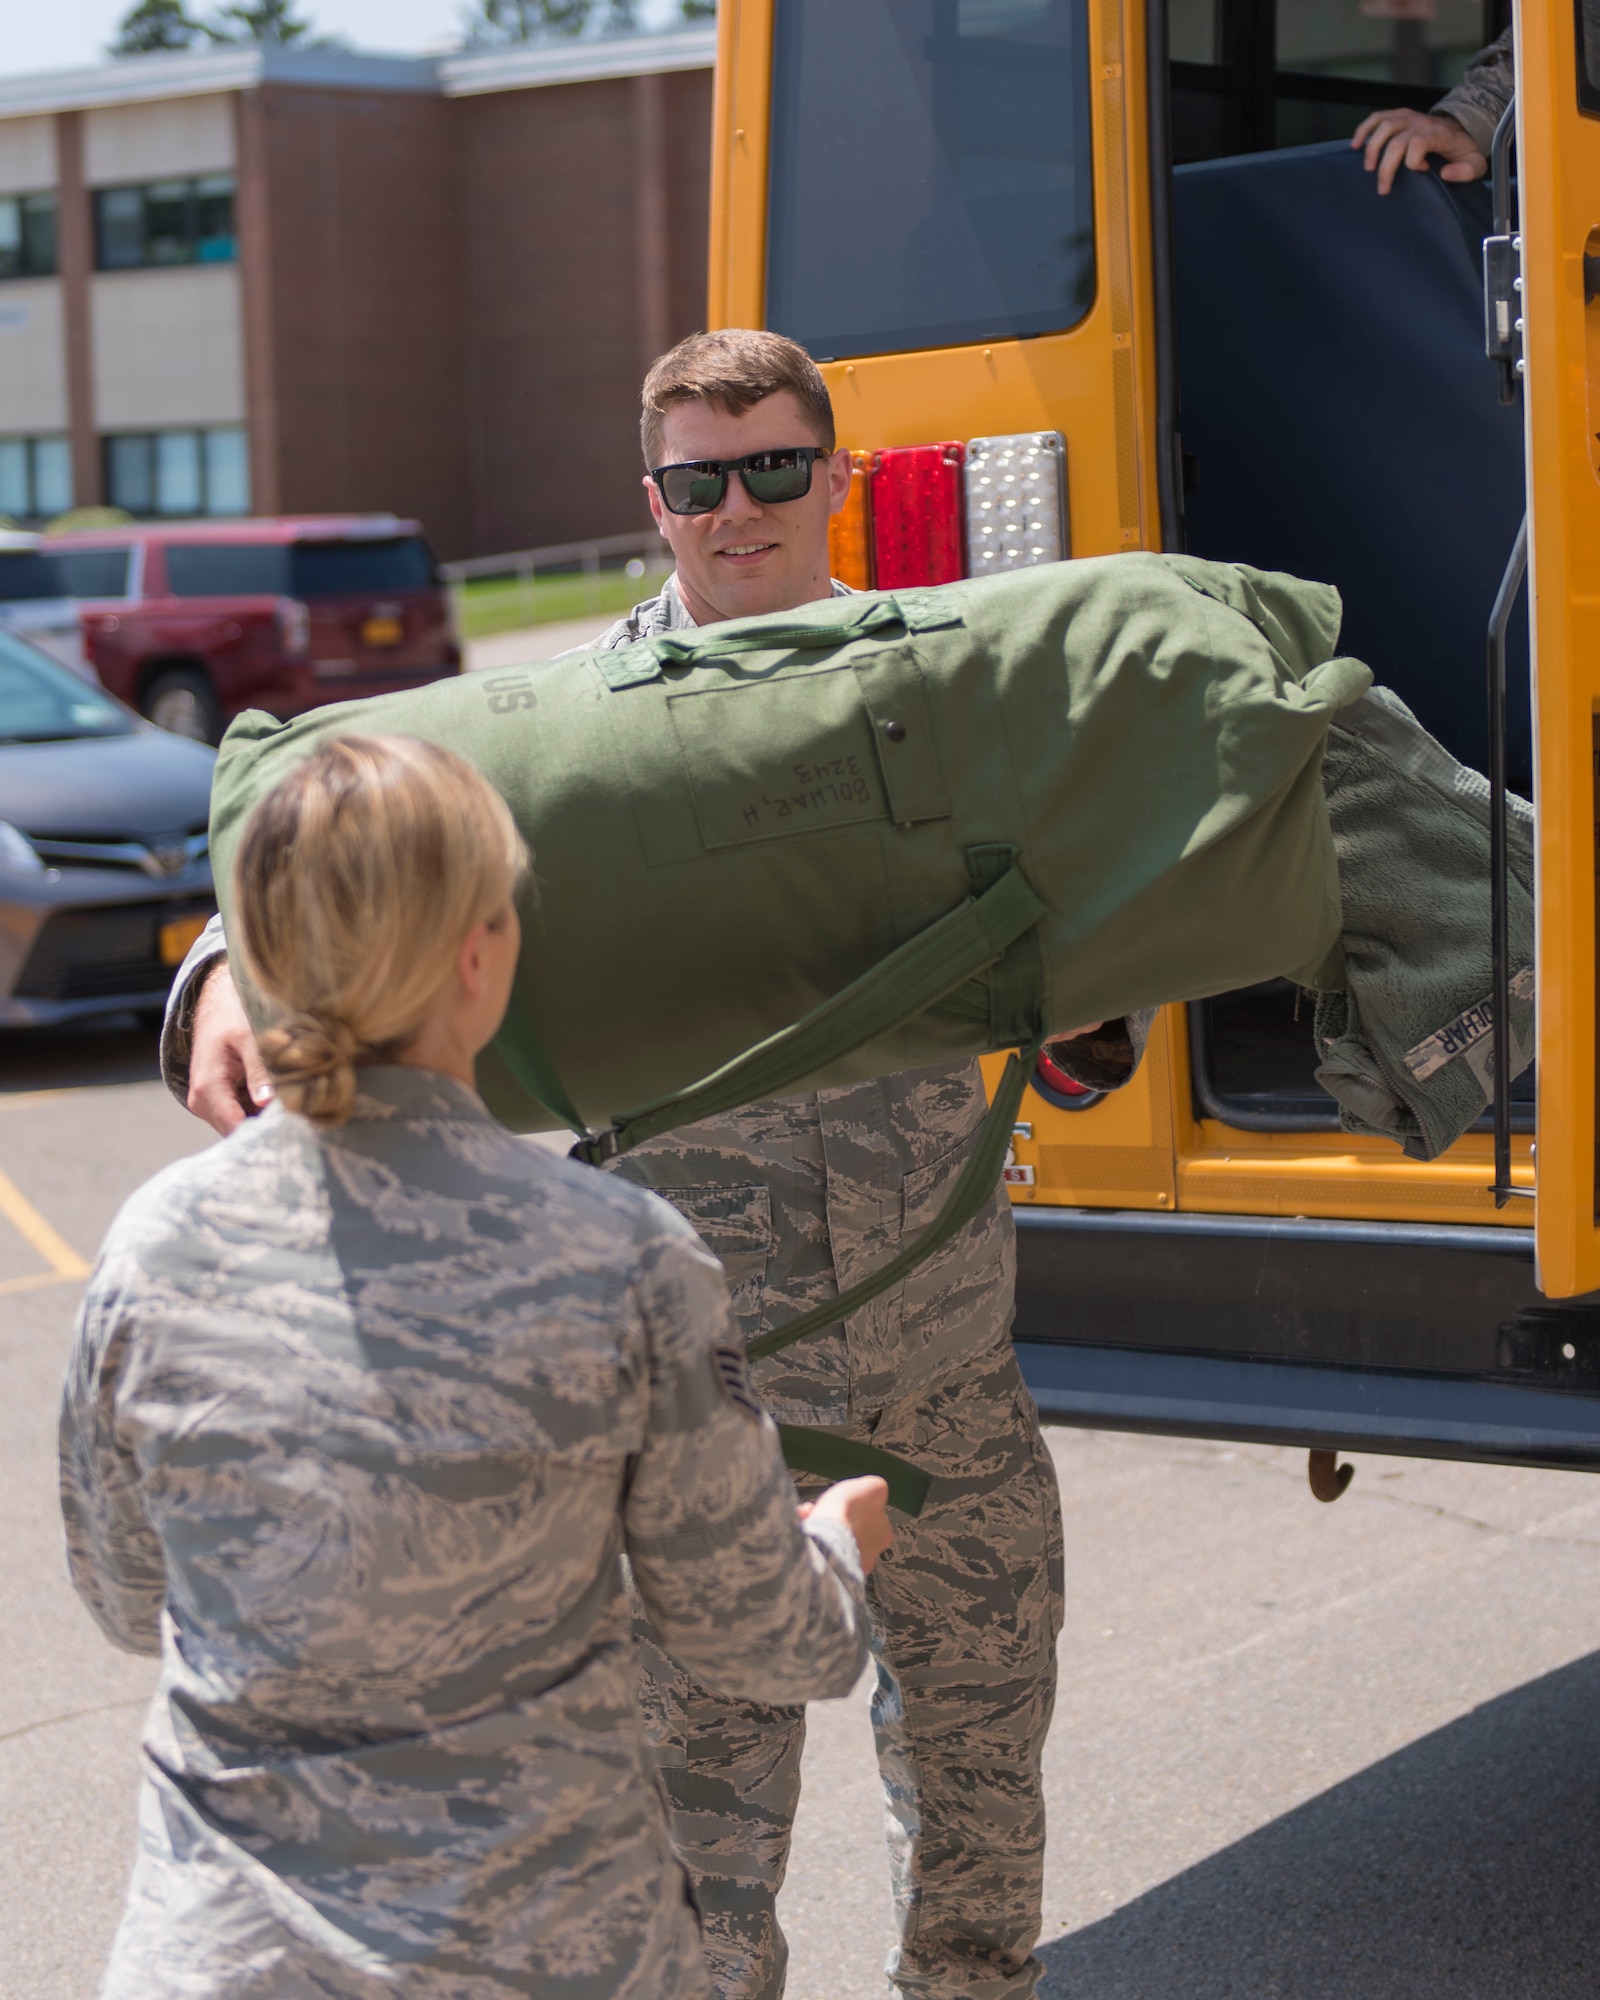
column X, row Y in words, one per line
column 1458, row 130
column 355, row 1427
column 800, row 1199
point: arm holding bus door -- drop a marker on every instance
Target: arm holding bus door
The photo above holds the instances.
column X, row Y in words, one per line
column 1458, row 130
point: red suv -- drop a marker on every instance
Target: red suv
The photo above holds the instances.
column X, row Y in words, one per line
column 193, row 621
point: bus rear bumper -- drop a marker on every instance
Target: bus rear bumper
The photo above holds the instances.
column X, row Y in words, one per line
column 1284, row 1402
column 1387, row 1337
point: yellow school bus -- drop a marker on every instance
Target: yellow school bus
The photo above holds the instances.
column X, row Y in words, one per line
column 1097, row 275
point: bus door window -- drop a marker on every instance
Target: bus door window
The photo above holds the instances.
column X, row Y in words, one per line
column 930, row 179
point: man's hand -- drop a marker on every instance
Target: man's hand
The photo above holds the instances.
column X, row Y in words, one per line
column 863, row 1506
column 227, row 1079
column 1406, row 138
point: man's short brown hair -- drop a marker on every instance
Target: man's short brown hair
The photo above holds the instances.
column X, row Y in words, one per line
column 733, row 370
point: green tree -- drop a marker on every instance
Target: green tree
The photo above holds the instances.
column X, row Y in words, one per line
column 262, row 21
column 153, row 27
column 497, row 23
column 698, row 10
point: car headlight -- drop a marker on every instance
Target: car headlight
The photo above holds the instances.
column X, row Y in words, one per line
column 17, row 853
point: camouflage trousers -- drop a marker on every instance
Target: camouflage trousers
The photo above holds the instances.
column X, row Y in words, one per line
column 967, row 1606
column 799, row 1197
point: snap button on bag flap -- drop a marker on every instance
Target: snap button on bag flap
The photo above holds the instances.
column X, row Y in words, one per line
column 902, row 733
column 868, row 751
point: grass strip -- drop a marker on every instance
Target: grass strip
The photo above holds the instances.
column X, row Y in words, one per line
column 508, row 603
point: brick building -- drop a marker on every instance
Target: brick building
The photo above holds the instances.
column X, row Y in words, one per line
column 276, row 280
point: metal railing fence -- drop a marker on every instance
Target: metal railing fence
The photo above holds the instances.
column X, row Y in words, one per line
column 588, row 557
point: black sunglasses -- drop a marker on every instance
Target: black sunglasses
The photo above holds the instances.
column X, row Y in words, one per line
column 700, row 486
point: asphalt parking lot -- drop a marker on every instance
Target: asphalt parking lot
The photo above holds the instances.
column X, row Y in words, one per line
column 1300, row 1751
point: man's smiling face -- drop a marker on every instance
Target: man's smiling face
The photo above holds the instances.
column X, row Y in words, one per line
column 746, row 558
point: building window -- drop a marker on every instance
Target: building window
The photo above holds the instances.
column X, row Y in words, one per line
column 179, row 472
column 165, row 222
column 27, row 235
column 35, row 477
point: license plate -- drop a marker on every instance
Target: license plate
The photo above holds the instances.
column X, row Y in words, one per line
column 175, row 938
column 382, row 631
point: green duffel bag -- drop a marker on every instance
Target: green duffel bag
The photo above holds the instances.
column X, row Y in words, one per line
column 886, row 831
column 899, row 828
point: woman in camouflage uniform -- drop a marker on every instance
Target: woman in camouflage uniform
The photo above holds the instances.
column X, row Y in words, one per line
column 365, row 1404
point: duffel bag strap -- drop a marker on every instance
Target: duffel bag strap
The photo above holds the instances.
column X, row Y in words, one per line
column 518, row 1046
column 956, row 948
column 694, row 647
column 971, row 1192
column 809, row 1449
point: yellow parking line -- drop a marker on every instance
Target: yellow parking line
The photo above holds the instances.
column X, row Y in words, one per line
column 35, row 1282
column 9, row 1099
column 29, row 1224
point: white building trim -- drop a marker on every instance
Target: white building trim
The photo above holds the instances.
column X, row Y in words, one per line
column 538, row 63
column 140, row 79
column 200, row 73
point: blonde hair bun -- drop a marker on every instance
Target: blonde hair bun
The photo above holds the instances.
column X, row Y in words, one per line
column 358, row 878
column 312, row 1062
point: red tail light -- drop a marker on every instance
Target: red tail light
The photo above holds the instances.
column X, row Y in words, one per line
column 917, row 514
column 1053, row 1084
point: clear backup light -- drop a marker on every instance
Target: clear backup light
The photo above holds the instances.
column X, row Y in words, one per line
column 1016, row 501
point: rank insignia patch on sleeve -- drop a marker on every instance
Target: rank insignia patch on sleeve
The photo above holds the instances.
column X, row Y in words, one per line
column 733, row 1374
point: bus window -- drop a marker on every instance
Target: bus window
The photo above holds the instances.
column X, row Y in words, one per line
column 930, row 172
column 1589, row 57
column 1192, row 31
column 1252, row 75
column 1394, row 41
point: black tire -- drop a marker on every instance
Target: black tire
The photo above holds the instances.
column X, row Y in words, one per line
column 183, row 701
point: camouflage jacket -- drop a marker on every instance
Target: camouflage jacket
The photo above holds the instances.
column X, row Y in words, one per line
column 1479, row 100
column 810, row 1194
column 355, row 1430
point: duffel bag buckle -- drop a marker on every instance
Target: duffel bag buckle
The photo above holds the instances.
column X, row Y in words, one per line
column 595, row 1148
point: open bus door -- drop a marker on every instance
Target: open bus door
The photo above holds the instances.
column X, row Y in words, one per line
column 1558, row 134
column 970, row 213
column 954, row 207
